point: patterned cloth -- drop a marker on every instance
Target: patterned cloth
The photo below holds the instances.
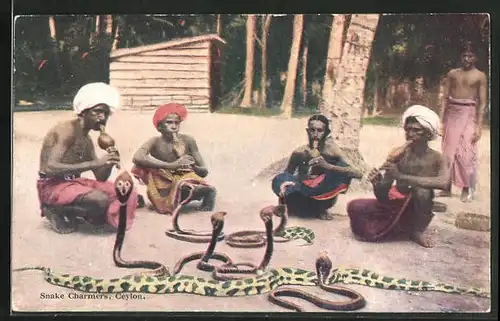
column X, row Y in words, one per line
column 457, row 147
column 323, row 188
column 60, row 191
column 171, row 181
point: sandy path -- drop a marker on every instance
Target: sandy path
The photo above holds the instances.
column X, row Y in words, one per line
column 235, row 149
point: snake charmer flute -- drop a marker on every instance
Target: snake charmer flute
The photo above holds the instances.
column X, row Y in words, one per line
column 105, row 141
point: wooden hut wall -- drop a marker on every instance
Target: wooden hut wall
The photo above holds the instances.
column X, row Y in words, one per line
column 179, row 74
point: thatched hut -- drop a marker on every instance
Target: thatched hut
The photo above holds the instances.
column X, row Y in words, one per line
column 185, row 71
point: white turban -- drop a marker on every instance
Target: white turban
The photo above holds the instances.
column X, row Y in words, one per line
column 426, row 117
column 94, row 94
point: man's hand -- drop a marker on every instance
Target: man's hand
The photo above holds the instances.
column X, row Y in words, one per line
column 108, row 159
column 477, row 135
column 391, row 170
column 284, row 186
column 186, row 169
column 185, row 160
column 185, row 163
column 319, row 162
column 113, row 150
column 374, row 176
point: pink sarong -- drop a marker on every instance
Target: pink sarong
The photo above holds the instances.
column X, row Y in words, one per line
column 55, row 191
column 458, row 130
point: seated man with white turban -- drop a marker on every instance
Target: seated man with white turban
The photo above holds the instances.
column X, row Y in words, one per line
column 405, row 192
column 171, row 165
column 67, row 152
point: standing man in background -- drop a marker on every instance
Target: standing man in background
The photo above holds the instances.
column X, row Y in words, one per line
column 462, row 115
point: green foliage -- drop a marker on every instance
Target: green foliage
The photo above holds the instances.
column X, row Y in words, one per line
column 252, row 111
column 405, row 47
column 381, row 120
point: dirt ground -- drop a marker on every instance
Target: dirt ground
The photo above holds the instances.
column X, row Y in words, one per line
column 236, row 148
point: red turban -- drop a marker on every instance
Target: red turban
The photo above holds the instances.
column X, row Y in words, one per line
column 164, row 110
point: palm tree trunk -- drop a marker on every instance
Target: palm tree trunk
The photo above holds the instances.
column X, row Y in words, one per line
column 287, row 104
column 55, row 49
column 116, row 38
column 348, row 91
column 304, row 74
column 218, row 25
column 333, row 59
column 109, row 24
column 247, row 96
column 266, row 23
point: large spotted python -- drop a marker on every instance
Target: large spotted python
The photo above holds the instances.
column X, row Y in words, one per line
column 263, row 281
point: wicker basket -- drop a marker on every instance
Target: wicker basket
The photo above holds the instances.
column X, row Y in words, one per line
column 472, row 221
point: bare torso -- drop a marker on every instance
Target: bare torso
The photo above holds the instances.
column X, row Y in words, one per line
column 302, row 157
column 81, row 146
column 164, row 150
column 428, row 164
column 465, row 84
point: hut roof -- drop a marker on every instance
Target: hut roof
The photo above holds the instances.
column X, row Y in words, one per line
column 164, row 45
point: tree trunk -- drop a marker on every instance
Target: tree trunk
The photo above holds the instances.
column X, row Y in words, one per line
column 97, row 25
column 376, row 98
column 218, row 25
column 345, row 113
column 116, row 38
column 55, row 49
column 333, row 59
column 287, row 104
column 109, row 24
column 247, row 96
column 304, row 74
column 266, row 23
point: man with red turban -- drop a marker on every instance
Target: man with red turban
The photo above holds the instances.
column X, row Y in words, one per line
column 170, row 164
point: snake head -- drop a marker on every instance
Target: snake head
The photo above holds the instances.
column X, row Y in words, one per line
column 266, row 214
column 123, row 186
column 279, row 210
column 323, row 266
column 217, row 218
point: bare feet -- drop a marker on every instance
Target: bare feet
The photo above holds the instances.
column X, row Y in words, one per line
column 325, row 216
column 140, row 201
column 422, row 239
column 467, row 195
column 60, row 223
column 283, row 188
column 209, row 196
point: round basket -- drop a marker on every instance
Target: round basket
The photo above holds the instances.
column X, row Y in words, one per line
column 472, row 221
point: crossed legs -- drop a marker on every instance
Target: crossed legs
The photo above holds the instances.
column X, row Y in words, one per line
column 92, row 207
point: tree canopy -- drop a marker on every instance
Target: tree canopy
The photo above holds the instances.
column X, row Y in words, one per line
column 406, row 47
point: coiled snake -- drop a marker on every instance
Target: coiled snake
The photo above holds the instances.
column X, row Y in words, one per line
column 254, row 239
column 188, row 235
column 267, row 281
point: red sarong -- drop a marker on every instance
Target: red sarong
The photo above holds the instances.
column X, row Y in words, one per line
column 55, row 191
column 372, row 220
column 458, row 129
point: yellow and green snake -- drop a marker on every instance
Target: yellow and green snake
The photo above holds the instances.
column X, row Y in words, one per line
column 264, row 280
